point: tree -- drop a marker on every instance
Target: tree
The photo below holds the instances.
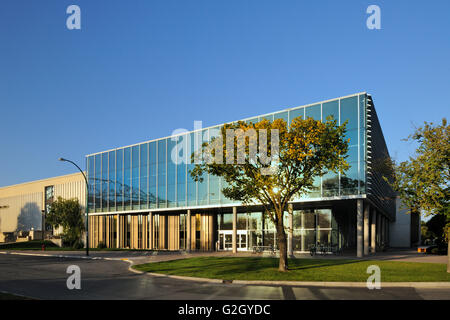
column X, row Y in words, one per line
column 423, row 181
column 273, row 163
column 68, row 214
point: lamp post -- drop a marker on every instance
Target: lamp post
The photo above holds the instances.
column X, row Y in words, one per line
column 87, row 203
column 43, row 224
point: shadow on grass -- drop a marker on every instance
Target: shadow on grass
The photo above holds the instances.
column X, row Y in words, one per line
column 224, row 267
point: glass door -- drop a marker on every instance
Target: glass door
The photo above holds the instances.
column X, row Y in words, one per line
column 226, row 240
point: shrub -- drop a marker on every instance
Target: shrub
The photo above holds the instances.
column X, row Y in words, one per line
column 101, row 245
column 78, row 245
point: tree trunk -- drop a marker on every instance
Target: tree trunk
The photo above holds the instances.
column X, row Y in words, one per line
column 282, row 247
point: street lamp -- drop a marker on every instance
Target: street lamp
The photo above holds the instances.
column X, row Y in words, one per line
column 43, row 224
column 87, row 204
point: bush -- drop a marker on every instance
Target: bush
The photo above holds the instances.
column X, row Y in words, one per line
column 34, row 244
column 101, row 245
column 78, row 245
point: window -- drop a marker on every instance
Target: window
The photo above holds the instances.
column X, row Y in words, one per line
column 127, row 178
column 153, row 174
column 349, row 111
column 171, row 173
column 112, row 181
column 314, row 112
column 119, row 179
column 135, row 177
column 143, row 176
column 162, row 174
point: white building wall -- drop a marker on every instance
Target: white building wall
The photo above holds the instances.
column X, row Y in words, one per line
column 70, row 190
column 400, row 230
column 23, row 212
column 21, row 205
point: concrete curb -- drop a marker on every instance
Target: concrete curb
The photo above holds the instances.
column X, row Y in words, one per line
column 443, row 285
column 56, row 255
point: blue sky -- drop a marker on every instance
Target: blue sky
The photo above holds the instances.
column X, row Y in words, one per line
column 137, row 70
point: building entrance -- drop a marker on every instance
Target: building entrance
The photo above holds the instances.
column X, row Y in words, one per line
column 226, row 240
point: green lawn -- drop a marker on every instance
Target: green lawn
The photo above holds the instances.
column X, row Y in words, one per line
column 243, row 268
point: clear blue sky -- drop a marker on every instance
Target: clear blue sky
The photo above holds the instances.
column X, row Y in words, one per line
column 137, row 70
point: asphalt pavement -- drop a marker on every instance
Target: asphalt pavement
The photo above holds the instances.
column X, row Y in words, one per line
column 45, row 278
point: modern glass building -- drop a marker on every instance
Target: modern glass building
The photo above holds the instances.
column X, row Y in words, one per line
column 142, row 196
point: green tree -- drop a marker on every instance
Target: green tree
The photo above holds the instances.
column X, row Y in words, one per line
column 423, row 181
column 297, row 155
column 68, row 214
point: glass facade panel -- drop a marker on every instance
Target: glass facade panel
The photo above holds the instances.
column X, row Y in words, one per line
column 214, row 181
column 300, row 112
column 225, row 221
column 255, row 221
column 330, row 109
column 98, row 183
column 309, row 219
column 349, row 111
column 191, row 183
column 171, row 174
column 127, row 178
column 152, row 183
column 297, row 219
column 281, row 115
column 268, row 117
column 182, row 157
column 241, row 223
column 105, row 163
column 91, row 181
column 119, row 179
column 162, row 176
column 349, row 180
column 314, row 112
column 323, row 218
column 309, row 238
column 253, row 120
column 353, row 136
column 330, row 184
column 112, row 181
column 143, row 176
column 135, row 155
column 202, row 187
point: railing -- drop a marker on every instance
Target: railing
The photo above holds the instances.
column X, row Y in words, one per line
column 259, row 249
column 324, row 249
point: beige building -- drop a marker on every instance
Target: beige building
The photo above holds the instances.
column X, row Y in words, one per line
column 21, row 205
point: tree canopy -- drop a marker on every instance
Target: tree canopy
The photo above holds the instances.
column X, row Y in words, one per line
column 68, row 214
column 269, row 163
column 423, row 180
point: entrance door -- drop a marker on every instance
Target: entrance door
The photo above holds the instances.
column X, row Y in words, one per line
column 242, row 240
column 226, row 240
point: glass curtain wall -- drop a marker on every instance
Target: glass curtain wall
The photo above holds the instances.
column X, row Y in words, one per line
column 156, row 174
column 309, row 227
